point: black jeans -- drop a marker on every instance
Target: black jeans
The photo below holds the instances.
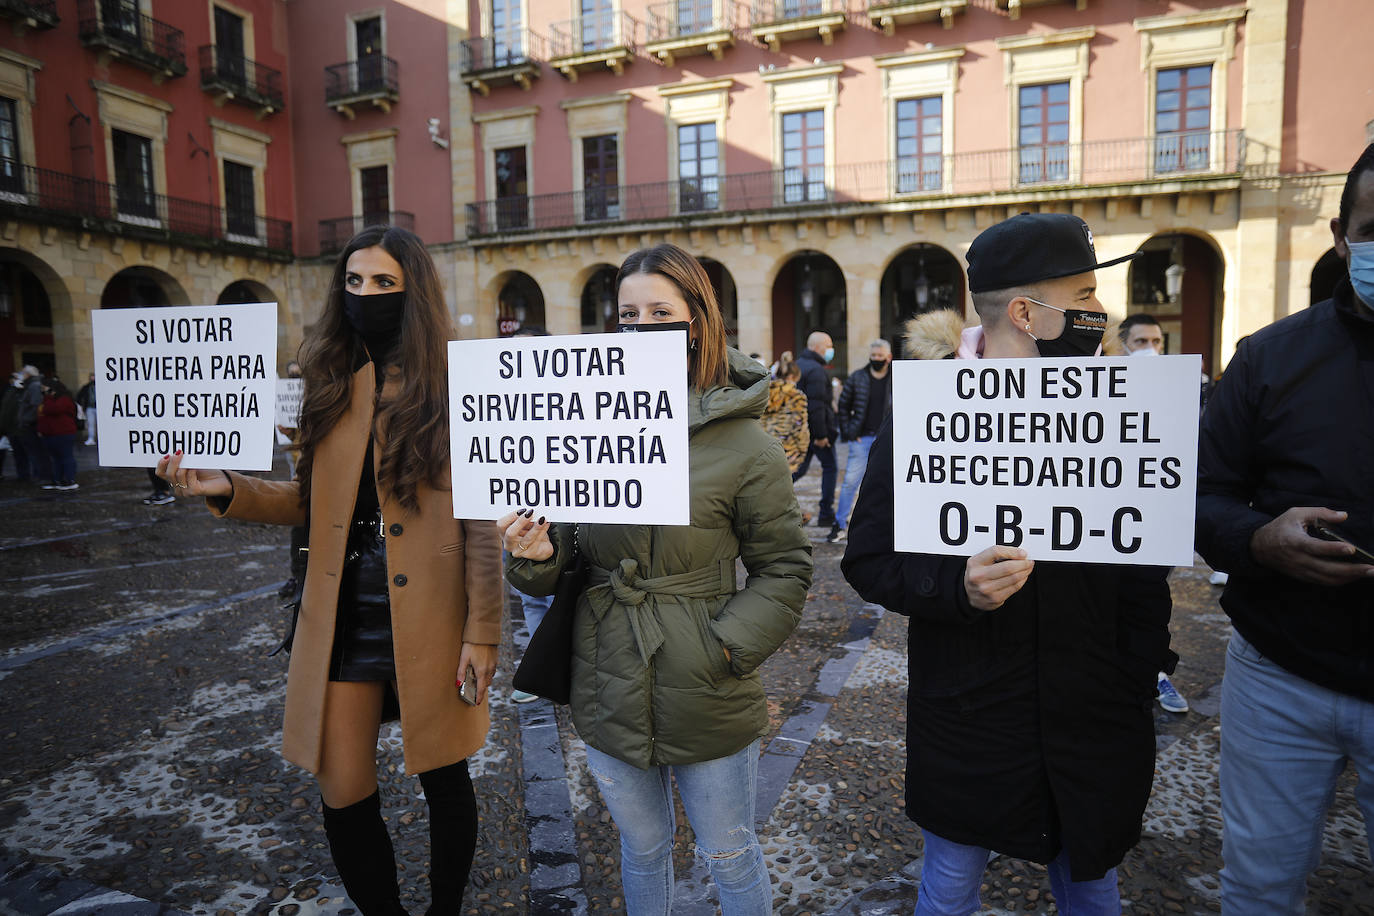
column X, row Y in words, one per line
column 829, row 473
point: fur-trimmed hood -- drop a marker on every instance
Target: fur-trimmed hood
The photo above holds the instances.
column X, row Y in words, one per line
column 933, row 335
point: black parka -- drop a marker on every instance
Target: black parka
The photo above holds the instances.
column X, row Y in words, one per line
column 1291, row 423
column 1029, row 728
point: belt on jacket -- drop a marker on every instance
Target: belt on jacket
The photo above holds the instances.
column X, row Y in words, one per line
column 622, row 585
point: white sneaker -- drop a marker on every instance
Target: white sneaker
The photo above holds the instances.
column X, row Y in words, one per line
column 520, row 696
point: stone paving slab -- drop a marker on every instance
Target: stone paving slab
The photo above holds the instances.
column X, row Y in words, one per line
column 141, row 727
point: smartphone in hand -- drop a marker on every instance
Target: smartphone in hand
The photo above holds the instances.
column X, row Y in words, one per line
column 1327, row 533
column 467, row 687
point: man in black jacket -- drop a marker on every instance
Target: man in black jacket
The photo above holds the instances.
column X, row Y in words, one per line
column 864, row 402
column 820, row 415
column 1030, row 706
column 1286, row 455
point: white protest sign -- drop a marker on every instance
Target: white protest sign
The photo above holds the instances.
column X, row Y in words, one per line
column 1089, row 460
column 289, row 394
column 194, row 378
column 585, row 428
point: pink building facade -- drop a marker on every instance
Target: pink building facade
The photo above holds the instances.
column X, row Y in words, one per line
column 831, row 161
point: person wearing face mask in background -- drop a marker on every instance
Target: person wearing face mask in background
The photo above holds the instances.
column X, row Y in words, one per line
column 1140, row 335
column 1029, row 726
column 1284, row 458
column 821, row 420
column 402, row 602
column 864, row 404
column 666, row 647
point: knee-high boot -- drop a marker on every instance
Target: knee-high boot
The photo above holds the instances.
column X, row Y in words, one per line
column 452, row 835
column 361, row 849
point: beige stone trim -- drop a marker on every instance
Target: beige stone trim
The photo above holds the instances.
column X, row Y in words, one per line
column 1052, row 57
column 505, row 114
column 351, row 33
column 243, row 146
column 696, row 102
column 135, row 113
column 514, row 127
column 915, row 76
column 1190, row 40
column 18, row 82
column 803, row 89
column 594, row 116
column 250, row 45
column 366, row 150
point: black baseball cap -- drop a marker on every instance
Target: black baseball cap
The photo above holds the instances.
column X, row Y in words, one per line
column 1030, row 247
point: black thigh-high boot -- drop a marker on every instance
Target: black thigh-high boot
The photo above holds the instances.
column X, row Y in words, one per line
column 452, row 835
column 362, row 853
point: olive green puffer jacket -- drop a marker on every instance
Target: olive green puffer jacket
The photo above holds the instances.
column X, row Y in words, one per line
column 651, row 682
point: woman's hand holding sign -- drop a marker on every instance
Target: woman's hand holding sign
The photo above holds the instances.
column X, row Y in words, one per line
column 994, row 575
column 193, row 481
column 525, row 539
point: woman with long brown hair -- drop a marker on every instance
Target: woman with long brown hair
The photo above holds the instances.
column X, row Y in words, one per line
column 666, row 648
column 402, row 602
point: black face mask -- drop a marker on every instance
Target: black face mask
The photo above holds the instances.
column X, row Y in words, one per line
column 376, row 319
column 661, row 326
column 1082, row 334
column 877, row 365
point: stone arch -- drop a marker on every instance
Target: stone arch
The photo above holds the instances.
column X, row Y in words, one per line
column 519, row 302
column 242, row 292
column 809, row 292
column 31, row 294
column 594, row 288
column 723, row 282
column 1191, row 320
column 142, row 286
column 919, row 278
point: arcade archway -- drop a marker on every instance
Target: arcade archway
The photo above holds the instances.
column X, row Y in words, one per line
column 1178, row 280
column 921, row 278
column 809, row 294
column 520, row 303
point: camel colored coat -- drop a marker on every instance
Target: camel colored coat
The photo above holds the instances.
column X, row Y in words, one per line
column 446, row 589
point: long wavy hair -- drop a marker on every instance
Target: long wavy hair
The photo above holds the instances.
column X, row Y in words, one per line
column 413, row 425
column 708, row 364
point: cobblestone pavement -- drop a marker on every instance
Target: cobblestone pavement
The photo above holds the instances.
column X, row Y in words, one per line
column 141, row 721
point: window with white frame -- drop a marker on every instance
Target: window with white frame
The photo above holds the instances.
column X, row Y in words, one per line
column 920, row 131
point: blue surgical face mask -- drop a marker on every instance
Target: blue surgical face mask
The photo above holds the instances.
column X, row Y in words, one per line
column 829, row 353
column 1362, row 270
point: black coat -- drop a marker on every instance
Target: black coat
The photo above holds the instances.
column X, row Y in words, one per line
column 1029, row 728
column 1291, row 423
column 815, row 384
column 854, row 402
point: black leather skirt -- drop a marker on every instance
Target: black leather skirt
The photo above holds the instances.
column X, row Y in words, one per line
column 362, row 628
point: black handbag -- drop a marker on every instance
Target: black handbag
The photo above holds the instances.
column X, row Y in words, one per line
column 546, row 668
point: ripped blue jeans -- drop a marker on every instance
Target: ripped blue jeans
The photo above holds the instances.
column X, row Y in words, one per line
column 718, row 796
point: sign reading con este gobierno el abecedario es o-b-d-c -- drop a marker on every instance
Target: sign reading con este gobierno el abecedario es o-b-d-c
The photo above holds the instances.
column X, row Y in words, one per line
column 199, row 379
column 1089, row 460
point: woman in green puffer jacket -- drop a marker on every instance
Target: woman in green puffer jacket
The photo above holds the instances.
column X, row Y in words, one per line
column 666, row 648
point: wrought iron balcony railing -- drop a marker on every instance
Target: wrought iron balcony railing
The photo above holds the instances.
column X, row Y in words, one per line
column 503, row 48
column 373, row 76
column 335, row 233
column 118, row 26
column 601, row 31
column 56, row 197
column 40, row 14
column 1197, row 154
column 685, row 18
column 241, row 79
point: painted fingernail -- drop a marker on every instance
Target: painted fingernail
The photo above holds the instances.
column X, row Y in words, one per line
column 541, row 521
column 529, row 513
column 519, row 511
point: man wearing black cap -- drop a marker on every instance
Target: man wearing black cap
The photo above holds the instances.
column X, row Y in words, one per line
column 1029, row 709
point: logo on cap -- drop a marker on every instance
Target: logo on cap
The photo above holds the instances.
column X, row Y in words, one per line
column 1089, row 233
